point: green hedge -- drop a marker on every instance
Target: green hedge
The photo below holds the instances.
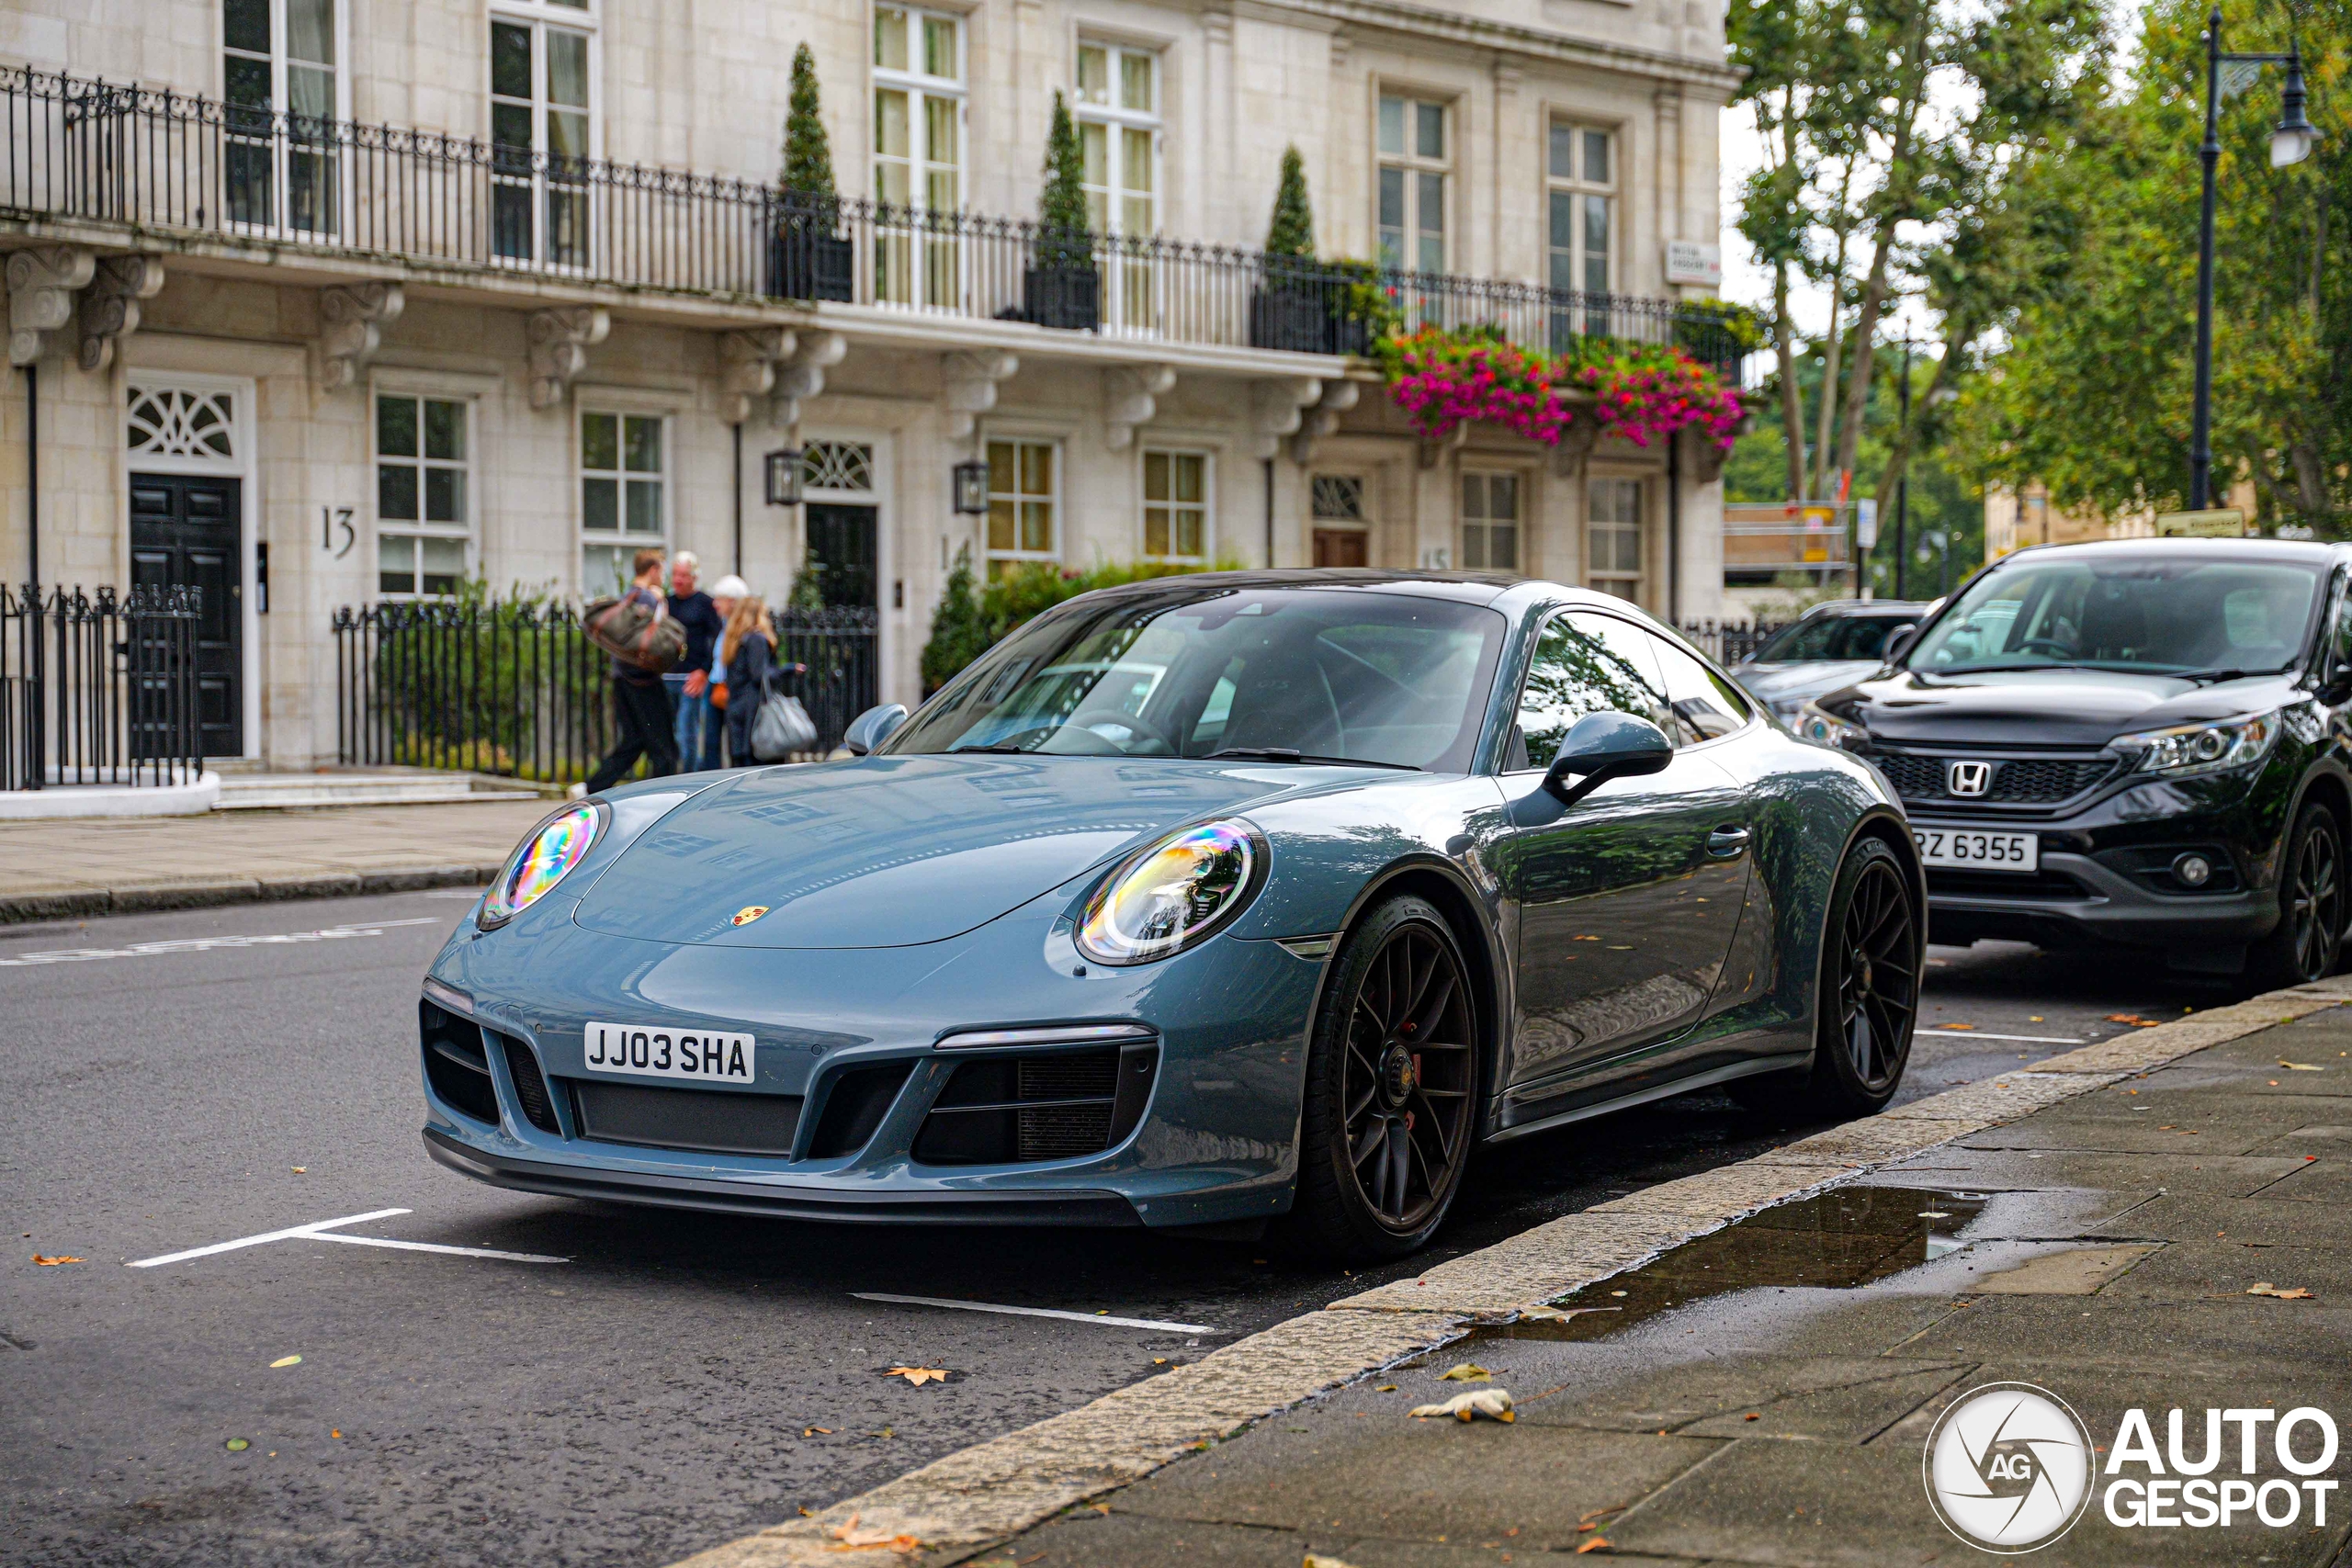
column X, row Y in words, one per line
column 971, row 618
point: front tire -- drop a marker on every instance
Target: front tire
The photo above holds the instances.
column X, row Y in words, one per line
column 1873, row 945
column 2301, row 948
column 1392, row 1076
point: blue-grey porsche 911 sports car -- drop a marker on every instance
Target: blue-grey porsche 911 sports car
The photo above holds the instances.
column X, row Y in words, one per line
column 1196, row 903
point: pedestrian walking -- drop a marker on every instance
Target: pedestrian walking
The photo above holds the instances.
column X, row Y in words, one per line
column 747, row 654
column 699, row 722
column 641, row 713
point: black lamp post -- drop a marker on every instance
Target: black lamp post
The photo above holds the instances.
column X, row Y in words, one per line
column 2291, row 143
column 784, row 476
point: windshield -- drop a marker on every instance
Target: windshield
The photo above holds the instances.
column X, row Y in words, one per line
column 1337, row 674
column 1831, row 637
column 2156, row 614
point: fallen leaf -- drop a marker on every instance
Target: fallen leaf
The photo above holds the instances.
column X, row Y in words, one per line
column 2133, row 1019
column 1312, row 1562
column 1598, row 1543
column 54, row 1262
column 1494, row 1404
column 300, row 1169
column 1386, row 1388
column 335, row 1431
column 919, row 1375
column 236, row 1445
column 1468, row 1371
column 1159, row 1361
column 2265, row 1288
column 815, row 1431
column 2274, row 1083
column 286, row 1362
column 849, row 1538
column 1751, row 1415
column 2302, row 1066
column 1955, row 1026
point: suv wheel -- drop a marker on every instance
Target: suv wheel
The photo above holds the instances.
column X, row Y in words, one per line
column 2302, row 947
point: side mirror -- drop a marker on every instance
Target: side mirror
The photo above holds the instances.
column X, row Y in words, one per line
column 1899, row 641
column 872, row 727
column 1604, row 745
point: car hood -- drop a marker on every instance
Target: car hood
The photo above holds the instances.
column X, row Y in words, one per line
column 2045, row 707
column 1783, row 683
column 891, row 851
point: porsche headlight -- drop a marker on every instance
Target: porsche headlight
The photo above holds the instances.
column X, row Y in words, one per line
column 1815, row 722
column 2193, row 748
column 1172, row 894
column 546, row 854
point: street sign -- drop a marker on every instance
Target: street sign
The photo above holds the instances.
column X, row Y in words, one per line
column 2216, row 523
column 1866, row 521
column 1687, row 261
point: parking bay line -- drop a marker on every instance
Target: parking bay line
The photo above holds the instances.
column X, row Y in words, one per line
column 1943, row 1029
column 209, row 943
column 1038, row 1312
column 326, row 1230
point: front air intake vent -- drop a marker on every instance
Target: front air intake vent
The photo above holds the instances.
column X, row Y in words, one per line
column 455, row 1064
column 531, row 1089
column 1037, row 1106
column 854, row 1107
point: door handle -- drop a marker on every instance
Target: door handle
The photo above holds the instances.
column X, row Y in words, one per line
column 1727, row 843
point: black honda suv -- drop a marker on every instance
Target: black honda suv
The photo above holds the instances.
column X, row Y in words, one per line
column 2139, row 742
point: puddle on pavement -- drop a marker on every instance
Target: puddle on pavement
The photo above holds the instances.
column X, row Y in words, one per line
column 1840, row 1239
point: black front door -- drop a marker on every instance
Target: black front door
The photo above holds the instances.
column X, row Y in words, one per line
column 844, row 545
column 186, row 530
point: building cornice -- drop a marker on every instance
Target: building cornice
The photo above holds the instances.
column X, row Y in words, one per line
column 1423, row 22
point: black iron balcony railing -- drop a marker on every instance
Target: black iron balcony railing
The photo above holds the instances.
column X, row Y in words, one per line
column 71, row 148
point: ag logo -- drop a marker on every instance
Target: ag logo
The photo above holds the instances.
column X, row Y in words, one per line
column 2009, row 1468
column 748, row 913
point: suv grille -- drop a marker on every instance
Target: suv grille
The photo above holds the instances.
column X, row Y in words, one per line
column 2023, row 780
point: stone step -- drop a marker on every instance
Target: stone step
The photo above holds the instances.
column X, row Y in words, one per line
column 253, row 791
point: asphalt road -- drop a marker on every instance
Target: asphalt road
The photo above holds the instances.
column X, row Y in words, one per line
column 674, row 1381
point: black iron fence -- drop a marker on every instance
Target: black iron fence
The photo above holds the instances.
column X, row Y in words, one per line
column 1729, row 642
column 98, row 689
column 156, row 159
column 516, row 689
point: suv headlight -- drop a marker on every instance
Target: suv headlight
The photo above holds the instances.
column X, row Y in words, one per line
column 1172, row 894
column 1813, row 722
column 2191, row 749
column 547, row 852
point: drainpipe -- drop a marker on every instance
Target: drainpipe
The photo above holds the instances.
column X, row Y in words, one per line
column 1674, row 530
column 32, row 476
column 1270, row 512
column 739, row 501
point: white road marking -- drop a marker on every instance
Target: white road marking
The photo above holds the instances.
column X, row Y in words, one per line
column 1039, row 1312
column 206, row 944
column 321, row 1230
column 1980, row 1034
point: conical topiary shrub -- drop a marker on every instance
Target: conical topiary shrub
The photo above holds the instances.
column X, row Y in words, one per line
column 1292, row 233
column 1064, row 288
column 809, row 259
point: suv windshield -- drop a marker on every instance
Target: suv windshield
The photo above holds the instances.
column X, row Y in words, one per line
column 1830, row 637
column 1313, row 673
column 2169, row 614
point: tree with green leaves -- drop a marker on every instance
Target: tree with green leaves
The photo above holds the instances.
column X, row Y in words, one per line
column 808, row 153
column 1065, row 237
column 1292, row 233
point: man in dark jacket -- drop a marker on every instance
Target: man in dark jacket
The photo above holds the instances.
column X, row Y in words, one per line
column 640, row 703
column 697, row 732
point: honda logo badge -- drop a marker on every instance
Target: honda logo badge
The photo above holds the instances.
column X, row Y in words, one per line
column 1969, row 778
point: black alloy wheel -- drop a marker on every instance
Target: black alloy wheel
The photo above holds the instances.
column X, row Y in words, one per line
column 1873, row 942
column 1877, row 959
column 2302, row 947
column 1391, row 1080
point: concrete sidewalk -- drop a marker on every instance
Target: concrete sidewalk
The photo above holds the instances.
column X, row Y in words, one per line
column 1764, row 1395
column 98, row 866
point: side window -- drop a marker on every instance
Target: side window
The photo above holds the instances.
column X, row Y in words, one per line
column 1583, row 664
column 2339, row 651
column 1704, row 705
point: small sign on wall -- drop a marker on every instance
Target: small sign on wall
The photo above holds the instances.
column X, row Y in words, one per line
column 1687, row 261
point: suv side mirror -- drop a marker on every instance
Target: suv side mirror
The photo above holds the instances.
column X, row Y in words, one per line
column 1899, row 641
column 1604, row 745
column 872, row 727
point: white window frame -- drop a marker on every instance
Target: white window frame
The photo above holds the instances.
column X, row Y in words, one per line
column 990, row 555
column 1628, row 585
column 933, row 263
column 1130, row 288
column 620, row 537
column 280, row 134
column 539, row 16
column 418, row 528
column 1413, row 165
column 1206, row 506
column 1482, row 559
column 1575, row 189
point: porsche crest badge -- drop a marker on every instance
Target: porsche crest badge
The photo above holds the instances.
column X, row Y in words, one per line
column 748, row 913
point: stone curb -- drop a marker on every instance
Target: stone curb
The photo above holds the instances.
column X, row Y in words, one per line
column 994, row 1490
column 79, row 903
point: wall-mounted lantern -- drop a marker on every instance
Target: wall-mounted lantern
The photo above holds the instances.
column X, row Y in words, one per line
column 968, row 485
column 784, row 476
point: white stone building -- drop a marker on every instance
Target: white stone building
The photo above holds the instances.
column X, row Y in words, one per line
column 310, row 362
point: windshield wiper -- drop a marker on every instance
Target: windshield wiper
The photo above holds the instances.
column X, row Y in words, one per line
column 997, row 750
column 2220, row 675
column 1292, row 754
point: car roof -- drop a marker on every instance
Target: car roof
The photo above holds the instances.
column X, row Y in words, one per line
column 2311, row 552
column 1464, row 587
column 1894, row 609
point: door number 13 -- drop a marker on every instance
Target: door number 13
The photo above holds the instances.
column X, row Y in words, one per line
column 331, row 518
